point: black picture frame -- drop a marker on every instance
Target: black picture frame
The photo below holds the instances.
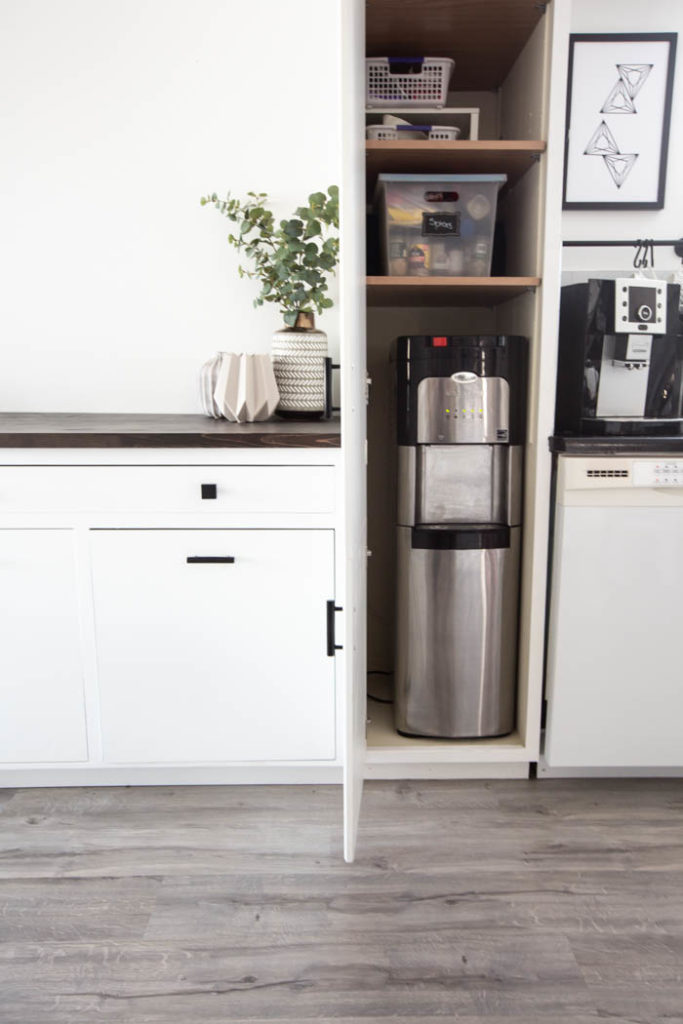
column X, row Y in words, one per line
column 616, row 163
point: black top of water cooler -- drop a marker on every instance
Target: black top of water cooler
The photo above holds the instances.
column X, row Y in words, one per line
column 488, row 355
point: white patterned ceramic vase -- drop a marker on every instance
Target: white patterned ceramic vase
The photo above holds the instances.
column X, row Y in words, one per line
column 298, row 355
column 239, row 386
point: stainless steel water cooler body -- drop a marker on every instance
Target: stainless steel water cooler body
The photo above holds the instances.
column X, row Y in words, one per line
column 460, row 432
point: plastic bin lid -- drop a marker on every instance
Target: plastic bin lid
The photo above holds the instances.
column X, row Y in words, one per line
column 442, row 178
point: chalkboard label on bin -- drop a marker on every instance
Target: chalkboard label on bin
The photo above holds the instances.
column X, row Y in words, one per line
column 440, row 223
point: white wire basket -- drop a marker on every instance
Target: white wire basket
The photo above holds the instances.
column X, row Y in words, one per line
column 407, row 81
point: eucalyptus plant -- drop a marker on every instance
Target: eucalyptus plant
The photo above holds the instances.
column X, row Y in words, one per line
column 293, row 258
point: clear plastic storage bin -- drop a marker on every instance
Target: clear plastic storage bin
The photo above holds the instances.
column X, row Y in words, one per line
column 437, row 225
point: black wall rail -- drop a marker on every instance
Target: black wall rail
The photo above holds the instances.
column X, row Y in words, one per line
column 645, row 247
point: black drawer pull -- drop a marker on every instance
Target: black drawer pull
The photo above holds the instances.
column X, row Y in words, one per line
column 210, row 559
column 209, row 491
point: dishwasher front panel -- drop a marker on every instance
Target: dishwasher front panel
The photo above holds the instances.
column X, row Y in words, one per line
column 614, row 681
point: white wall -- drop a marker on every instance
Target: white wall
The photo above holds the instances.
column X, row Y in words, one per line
column 616, row 16
column 115, row 117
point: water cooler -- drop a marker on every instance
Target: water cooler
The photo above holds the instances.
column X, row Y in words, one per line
column 461, row 419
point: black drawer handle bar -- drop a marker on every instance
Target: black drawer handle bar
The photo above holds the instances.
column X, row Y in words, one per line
column 210, row 559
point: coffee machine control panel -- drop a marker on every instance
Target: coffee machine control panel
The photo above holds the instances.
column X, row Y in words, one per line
column 639, row 306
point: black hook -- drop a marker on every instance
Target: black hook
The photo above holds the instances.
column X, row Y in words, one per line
column 645, row 253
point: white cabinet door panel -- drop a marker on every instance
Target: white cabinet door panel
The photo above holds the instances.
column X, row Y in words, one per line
column 42, row 705
column 354, row 416
column 615, row 683
column 214, row 662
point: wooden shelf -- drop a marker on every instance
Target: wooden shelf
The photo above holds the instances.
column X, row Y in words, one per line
column 384, row 745
column 482, row 156
column 446, row 291
column 483, row 38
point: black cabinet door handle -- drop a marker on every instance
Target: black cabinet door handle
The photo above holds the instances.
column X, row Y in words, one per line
column 210, row 559
column 209, row 491
column 331, row 645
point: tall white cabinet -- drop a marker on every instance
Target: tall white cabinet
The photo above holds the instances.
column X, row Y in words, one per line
column 510, row 61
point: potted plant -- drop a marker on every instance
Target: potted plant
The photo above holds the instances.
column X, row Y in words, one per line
column 292, row 259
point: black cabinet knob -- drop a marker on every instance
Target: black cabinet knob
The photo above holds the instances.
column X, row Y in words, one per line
column 209, row 491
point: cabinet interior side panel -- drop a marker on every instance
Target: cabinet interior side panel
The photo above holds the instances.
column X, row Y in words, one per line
column 488, row 104
column 521, row 316
column 520, row 215
column 523, row 94
column 523, row 115
column 384, row 326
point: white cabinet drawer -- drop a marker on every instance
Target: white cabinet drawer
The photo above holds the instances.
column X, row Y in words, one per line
column 281, row 489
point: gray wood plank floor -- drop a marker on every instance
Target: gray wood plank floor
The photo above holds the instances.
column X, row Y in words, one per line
column 489, row 902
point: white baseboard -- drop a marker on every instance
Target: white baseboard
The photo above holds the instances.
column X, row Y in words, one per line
column 136, row 775
column 546, row 772
column 403, row 770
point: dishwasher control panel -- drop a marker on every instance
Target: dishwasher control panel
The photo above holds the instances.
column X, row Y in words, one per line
column 658, row 473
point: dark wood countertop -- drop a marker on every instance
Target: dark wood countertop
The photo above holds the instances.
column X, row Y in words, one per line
column 615, row 446
column 95, row 430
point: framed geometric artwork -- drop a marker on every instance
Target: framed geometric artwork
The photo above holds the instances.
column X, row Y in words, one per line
column 618, row 115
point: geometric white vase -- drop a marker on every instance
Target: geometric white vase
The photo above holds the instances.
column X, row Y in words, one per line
column 240, row 387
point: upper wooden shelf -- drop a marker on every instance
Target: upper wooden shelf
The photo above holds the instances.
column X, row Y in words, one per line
column 483, row 37
column 483, row 156
column 446, row 291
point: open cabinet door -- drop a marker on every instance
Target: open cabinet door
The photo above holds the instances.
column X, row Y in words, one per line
column 353, row 403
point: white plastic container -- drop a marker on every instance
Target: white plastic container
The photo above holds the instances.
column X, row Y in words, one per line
column 407, row 81
column 443, row 133
column 393, row 133
column 437, row 225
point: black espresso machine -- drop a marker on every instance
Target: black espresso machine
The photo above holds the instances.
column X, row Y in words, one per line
column 620, row 368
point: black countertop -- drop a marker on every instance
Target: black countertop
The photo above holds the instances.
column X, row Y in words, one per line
column 94, row 430
column 560, row 445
